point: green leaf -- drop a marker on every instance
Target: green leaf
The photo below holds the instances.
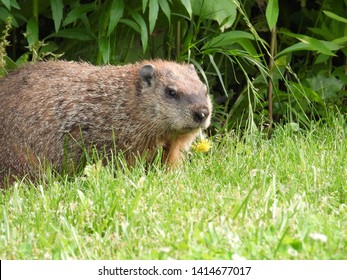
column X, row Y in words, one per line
column 144, row 5
column 7, row 4
column 331, row 45
column 321, row 58
column 48, row 47
column 321, row 32
column 341, row 75
column 78, row 12
column 143, row 29
column 104, row 47
column 307, row 47
column 301, row 92
column 32, row 32
column 132, row 24
column 335, row 16
column 342, row 41
column 57, row 7
column 164, row 5
column 188, row 6
column 153, row 14
column 320, row 46
column 81, row 34
column 227, row 39
column 14, row 4
column 295, row 48
column 4, row 14
column 10, row 64
column 326, row 87
column 224, row 12
column 23, row 59
column 247, row 45
column 116, row 13
column 271, row 13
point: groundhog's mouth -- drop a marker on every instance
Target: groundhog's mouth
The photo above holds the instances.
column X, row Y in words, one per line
column 196, row 126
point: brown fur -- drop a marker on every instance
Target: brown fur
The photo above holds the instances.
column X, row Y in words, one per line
column 52, row 107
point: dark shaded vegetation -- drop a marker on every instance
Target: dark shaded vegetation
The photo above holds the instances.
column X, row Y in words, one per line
column 264, row 61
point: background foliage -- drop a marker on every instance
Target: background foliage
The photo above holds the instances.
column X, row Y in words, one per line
column 264, row 61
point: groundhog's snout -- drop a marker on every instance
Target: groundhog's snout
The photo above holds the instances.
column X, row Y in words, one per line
column 200, row 114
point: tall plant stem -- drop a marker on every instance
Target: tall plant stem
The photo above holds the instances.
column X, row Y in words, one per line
column 36, row 9
column 271, row 64
column 178, row 40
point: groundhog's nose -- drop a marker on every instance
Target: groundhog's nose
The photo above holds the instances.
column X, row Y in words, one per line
column 201, row 114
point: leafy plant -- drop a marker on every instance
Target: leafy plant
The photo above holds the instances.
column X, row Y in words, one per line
column 3, row 44
column 261, row 67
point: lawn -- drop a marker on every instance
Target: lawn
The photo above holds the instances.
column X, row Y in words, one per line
column 249, row 197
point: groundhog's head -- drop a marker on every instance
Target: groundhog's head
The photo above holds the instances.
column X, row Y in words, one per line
column 174, row 96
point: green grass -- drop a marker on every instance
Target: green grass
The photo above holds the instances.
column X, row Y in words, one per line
column 284, row 198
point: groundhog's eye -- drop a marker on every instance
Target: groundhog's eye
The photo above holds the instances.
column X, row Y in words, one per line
column 171, row 93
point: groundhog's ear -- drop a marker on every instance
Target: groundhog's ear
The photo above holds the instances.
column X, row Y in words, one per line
column 147, row 73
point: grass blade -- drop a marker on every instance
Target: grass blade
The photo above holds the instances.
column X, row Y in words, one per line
column 218, row 73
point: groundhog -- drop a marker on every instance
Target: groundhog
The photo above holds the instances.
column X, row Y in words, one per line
column 54, row 111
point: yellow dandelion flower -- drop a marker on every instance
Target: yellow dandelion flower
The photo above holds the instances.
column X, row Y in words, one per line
column 202, row 146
